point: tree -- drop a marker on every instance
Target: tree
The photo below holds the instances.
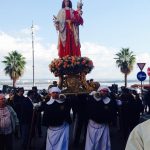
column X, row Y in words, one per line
column 14, row 65
column 125, row 61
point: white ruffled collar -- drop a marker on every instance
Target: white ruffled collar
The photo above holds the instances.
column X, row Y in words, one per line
column 51, row 101
column 97, row 99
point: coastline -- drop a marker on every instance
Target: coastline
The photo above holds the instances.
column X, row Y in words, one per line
column 44, row 83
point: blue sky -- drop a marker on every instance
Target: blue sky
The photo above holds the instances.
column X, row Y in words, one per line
column 109, row 25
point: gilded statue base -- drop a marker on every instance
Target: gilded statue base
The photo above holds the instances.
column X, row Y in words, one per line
column 72, row 71
column 76, row 83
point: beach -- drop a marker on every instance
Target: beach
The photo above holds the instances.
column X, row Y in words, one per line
column 44, row 83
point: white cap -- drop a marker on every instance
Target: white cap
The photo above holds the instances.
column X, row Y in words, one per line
column 103, row 89
column 54, row 89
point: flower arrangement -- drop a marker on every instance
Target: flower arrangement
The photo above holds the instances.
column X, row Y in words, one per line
column 69, row 65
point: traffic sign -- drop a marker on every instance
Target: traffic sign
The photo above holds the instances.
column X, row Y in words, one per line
column 141, row 76
column 141, row 65
column 148, row 71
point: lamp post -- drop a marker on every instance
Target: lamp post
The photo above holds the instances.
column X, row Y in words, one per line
column 32, row 33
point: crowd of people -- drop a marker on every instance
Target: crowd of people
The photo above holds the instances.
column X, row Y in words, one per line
column 90, row 114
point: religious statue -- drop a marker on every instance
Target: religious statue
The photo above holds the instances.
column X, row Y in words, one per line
column 67, row 24
column 70, row 67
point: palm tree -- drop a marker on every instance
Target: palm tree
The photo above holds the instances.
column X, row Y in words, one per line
column 14, row 65
column 125, row 61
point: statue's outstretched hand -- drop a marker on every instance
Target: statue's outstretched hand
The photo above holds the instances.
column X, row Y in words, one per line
column 56, row 22
column 80, row 12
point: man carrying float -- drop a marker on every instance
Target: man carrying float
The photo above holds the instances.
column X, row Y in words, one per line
column 101, row 112
column 57, row 119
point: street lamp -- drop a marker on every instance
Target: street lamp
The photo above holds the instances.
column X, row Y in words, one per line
column 32, row 33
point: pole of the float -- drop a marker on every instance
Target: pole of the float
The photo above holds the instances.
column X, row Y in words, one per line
column 32, row 33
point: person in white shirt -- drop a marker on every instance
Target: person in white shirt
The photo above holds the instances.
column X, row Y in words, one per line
column 139, row 138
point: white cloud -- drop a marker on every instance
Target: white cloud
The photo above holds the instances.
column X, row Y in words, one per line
column 102, row 56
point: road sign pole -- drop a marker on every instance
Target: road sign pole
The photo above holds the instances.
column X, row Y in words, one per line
column 141, row 76
column 141, row 90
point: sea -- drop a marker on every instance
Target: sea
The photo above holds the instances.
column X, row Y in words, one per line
column 44, row 83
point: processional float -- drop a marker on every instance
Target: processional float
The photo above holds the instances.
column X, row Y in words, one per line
column 71, row 68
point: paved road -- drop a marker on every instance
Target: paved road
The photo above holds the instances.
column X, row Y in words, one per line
column 116, row 136
column 37, row 143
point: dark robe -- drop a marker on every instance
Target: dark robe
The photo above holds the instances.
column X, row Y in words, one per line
column 56, row 114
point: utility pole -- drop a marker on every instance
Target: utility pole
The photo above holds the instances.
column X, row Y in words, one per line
column 32, row 33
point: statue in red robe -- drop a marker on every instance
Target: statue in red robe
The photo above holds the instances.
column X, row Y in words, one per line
column 67, row 24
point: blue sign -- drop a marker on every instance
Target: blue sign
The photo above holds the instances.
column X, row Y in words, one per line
column 141, row 76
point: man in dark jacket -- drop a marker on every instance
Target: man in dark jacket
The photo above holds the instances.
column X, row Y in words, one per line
column 147, row 101
column 130, row 112
column 78, row 103
column 27, row 116
column 37, row 99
